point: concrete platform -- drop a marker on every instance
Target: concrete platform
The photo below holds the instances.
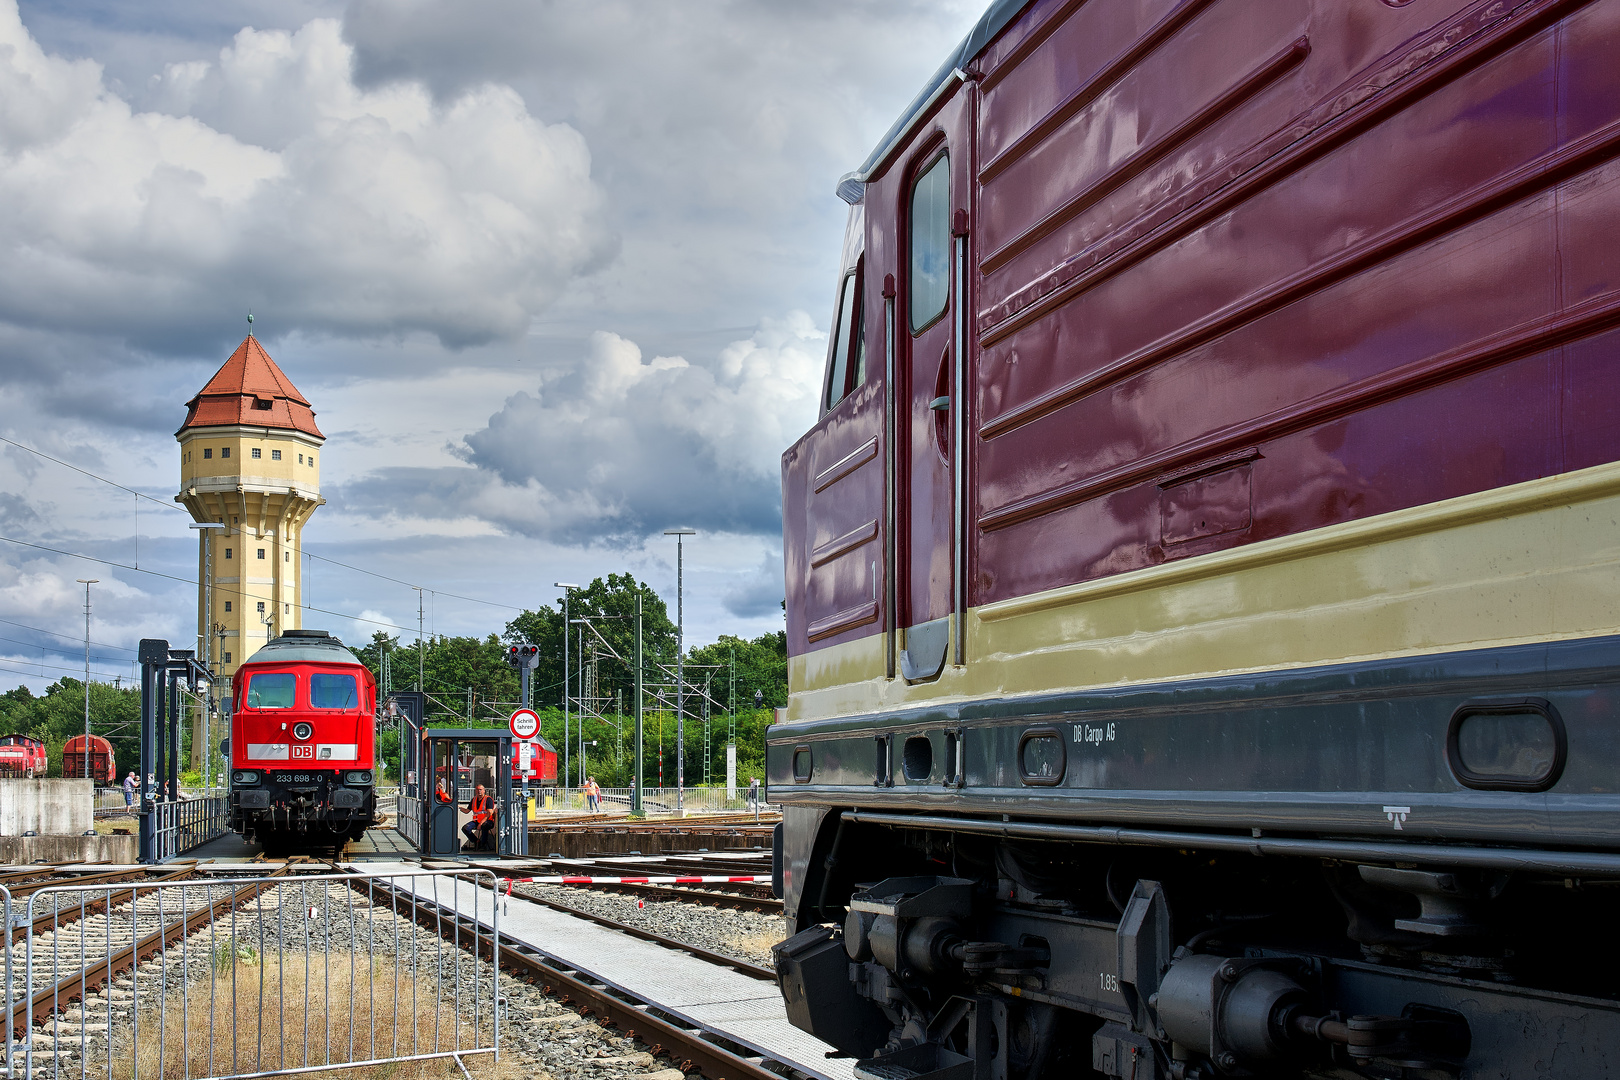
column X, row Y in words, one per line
column 744, row 1010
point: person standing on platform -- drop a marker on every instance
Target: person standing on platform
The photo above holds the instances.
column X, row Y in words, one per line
column 753, row 792
column 593, row 795
column 130, row 784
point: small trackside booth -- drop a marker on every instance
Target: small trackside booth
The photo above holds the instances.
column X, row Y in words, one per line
column 466, row 780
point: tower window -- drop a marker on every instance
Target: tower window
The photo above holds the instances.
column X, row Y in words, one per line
column 261, row 555
column 275, row 455
column 286, row 556
column 286, row 609
column 225, row 451
column 227, row 605
column 300, row 459
column 312, row 460
column 227, row 553
column 227, row 658
column 257, row 453
column 261, row 607
column 208, row 452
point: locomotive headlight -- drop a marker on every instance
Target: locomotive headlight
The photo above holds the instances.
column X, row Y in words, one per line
column 361, row 777
column 245, row 778
column 302, row 731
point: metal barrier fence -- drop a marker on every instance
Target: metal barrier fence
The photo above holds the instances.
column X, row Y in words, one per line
column 180, row 826
column 242, row 977
column 5, row 1037
column 408, row 819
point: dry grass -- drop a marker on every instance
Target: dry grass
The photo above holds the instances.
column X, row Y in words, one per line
column 757, row 944
column 296, row 1021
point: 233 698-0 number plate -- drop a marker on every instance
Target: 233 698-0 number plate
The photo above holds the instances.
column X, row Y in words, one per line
column 298, row 778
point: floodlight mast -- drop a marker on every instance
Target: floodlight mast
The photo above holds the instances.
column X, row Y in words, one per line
column 680, row 536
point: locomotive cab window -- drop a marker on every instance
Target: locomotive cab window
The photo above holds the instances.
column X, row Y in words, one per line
column 930, row 263
column 846, row 368
column 271, row 690
column 331, row 691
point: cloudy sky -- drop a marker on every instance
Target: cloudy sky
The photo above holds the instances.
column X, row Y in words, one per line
column 555, row 276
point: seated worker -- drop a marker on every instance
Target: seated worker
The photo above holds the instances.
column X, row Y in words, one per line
column 483, row 811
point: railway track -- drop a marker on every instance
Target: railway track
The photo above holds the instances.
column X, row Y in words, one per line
column 691, row 1048
column 82, row 947
column 753, row 971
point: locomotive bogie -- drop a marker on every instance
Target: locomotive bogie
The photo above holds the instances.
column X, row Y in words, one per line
column 1200, row 583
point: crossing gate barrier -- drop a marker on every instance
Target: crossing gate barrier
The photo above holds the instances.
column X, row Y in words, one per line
column 210, row 979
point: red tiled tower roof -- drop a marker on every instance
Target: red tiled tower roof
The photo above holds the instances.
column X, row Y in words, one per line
column 250, row 390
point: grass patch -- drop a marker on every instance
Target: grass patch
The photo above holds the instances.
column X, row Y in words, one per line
column 281, row 1016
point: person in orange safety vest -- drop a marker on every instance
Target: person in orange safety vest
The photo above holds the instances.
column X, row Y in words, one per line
column 483, row 810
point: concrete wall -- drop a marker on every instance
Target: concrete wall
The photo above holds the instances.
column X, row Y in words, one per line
column 17, row 850
column 46, row 807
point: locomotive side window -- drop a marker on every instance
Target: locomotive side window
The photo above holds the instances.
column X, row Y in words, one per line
column 329, row 691
column 848, row 367
column 930, row 266
column 271, row 691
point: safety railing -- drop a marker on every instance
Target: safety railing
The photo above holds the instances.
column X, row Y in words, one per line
column 408, row 819
column 256, row 976
column 180, row 825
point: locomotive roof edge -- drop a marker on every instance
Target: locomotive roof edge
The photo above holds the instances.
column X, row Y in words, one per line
column 990, row 24
column 294, row 646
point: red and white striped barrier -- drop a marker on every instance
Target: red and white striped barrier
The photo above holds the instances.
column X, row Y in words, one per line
column 563, row 879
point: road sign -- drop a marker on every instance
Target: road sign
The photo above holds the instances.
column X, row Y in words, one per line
column 525, row 724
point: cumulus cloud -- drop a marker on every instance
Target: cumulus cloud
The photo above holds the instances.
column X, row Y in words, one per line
column 619, row 445
column 268, row 175
column 760, row 593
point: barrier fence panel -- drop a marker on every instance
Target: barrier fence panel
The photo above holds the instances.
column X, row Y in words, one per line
column 5, row 906
column 408, row 819
column 255, row 976
column 181, row 825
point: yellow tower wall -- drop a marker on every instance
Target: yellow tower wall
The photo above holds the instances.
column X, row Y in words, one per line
column 253, row 563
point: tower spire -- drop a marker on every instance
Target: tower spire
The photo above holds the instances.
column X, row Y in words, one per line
column 250, row 322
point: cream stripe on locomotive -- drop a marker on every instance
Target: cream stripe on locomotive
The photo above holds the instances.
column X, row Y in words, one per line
column 1531, row 562
column 318, row 752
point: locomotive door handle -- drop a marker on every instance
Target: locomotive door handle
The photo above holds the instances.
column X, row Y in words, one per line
column 940, row 404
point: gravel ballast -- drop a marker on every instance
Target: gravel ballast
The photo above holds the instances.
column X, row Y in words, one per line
column 743, row 935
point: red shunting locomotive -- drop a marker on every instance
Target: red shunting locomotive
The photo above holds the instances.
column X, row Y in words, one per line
column 303, row 741
column 22, row 756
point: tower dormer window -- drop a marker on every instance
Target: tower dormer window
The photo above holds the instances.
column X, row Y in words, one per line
column 262, row 403
column 257, row 453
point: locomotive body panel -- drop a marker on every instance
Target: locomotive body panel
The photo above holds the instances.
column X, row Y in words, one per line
column 1222, row 503
column 100, row 767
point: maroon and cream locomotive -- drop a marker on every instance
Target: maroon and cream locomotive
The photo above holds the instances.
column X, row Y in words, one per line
column 303, row 744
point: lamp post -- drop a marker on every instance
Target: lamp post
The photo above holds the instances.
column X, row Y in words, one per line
column 87, row 582
column 567, row 587
column 206, row 639
column 680, row 536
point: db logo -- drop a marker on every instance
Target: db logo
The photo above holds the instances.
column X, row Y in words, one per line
column 303, row 751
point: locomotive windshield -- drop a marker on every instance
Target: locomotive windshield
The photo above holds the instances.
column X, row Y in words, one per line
column 271, row 691
column 329, row 691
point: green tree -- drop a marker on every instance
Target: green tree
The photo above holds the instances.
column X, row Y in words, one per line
column 612, row 603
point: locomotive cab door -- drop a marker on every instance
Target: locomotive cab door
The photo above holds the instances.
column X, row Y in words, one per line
column 931, row 404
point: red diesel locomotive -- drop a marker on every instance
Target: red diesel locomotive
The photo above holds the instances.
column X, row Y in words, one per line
column 303, row 744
